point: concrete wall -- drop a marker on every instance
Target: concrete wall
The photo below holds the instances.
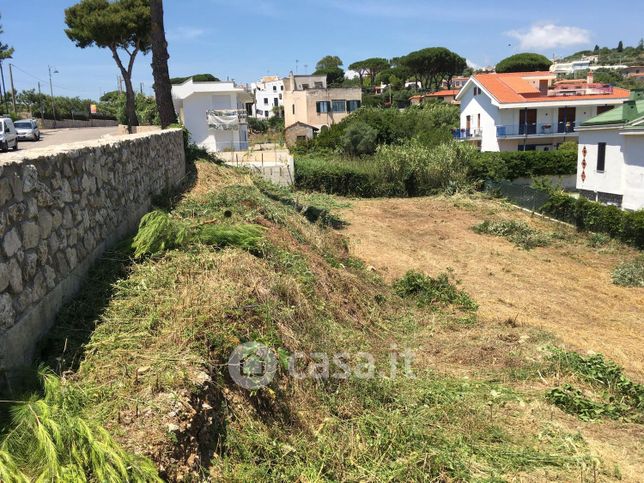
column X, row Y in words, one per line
column 68, row 123
column 60, row 208
column 610, row 180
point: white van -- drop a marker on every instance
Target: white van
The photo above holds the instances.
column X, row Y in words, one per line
column 8, row 134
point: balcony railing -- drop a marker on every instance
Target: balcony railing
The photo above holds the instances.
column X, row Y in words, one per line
column 534, row 129
column 467, row 133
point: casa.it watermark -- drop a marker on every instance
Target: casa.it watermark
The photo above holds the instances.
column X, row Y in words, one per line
column 253, row 365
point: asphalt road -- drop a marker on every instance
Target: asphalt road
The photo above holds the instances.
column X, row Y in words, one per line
column 52, row 137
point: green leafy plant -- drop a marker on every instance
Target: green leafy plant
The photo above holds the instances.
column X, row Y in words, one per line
column 630, row 273
column 439, row 291
column 49, row 439
column 517, row 232
column 620, row 397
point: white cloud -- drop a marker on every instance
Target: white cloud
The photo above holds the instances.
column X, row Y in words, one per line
column 185, row 33
column 543, row 36
column 472, row 65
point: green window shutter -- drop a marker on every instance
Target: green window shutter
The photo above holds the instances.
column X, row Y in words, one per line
column 317, row 107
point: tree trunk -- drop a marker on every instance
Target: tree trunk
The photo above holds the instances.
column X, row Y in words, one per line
column 160, row 56
column 130, row 103
column 130, row 97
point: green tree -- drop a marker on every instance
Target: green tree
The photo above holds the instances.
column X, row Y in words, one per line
column 331, row 67
column 620, row 46
column 120, row 26
column 433, row 65
column 6, row 52
column 195, row 78
column 596, row 49
column 526, row 62
column 328, row 62
column 359, row 139
column 160, row 56
column 370, row 67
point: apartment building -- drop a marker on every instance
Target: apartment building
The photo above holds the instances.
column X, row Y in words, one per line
column 214, row 113
column 269, row 95
column 529, row 111
column 310, row 105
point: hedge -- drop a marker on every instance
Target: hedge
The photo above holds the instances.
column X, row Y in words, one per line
column 511, row 165
column 627, row 226
column 346, row 178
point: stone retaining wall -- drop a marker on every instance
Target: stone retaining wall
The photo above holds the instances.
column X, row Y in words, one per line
column 60, row 208
column 71, row 123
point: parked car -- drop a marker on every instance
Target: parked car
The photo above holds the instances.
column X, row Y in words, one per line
column 8, row 134
column 27, row 129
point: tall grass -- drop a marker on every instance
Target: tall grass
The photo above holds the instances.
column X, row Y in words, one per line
column 408, row 169
column 48, row 439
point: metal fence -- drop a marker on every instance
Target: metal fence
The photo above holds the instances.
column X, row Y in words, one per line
column 522, row 195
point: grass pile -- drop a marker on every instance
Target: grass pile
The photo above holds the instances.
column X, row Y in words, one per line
column 517, row 232
column 153, row 365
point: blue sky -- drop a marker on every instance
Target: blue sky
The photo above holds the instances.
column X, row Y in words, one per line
column 246, row 39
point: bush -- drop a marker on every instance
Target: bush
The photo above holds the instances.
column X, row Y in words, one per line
column 409, row 169
column 416, row 170
column 517, row 232
column 587, row 215
column 630, row 273
column 359, row 139
column 347, row 178
column 511, row 165
column 431, row 124
column 433, row 291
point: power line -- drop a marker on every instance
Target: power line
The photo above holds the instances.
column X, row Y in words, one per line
column 41, row 80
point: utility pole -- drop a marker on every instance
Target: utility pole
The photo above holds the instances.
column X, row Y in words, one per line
column 42, row 108
column 13, row 90
column 51, row 90
column 141, row 88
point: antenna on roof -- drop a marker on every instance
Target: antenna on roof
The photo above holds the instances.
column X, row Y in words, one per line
column 297, row 62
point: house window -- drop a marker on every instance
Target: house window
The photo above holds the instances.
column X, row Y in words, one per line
column 266, row 100
column 293, row 108
column 260, row 113
column 339, row 106
column 276, row 102
column 319, row 85
column 266, row 113
column 477, row 90
column 280, row 96
column 274, row 88
column 478, row 120
column 281, row 88
column 602, row 109
column 322, row 106
column 305, row 86
column 601, row 157
column 353, row 105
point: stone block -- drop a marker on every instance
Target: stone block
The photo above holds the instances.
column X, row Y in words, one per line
column 11, row 243
column 30, row 234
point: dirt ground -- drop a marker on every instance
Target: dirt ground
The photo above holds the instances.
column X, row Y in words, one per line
column 564, row 288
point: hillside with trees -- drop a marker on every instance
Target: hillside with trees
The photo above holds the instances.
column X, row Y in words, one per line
column 613, row 56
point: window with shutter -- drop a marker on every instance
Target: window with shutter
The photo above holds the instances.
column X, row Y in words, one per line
column 601, row 157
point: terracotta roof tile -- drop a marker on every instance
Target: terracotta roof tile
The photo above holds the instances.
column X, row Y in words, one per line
column 511, row 88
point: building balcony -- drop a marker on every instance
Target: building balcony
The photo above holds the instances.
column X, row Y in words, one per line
column 536, row 130
column 465, row 134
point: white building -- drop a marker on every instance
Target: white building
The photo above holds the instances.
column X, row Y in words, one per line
column 611, row 155
column 214, row 113
column 268, row 92
column 529, row 110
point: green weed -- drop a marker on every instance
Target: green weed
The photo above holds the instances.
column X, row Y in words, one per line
column 630, row 273
column 517, row 232
column 439, row 291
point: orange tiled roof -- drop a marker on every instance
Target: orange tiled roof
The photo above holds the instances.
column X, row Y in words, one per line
column 447, row 92
column 513, row 88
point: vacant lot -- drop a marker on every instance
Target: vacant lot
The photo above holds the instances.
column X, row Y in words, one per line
column 564, row 288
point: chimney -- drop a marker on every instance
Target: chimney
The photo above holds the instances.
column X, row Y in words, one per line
column 589, row 78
